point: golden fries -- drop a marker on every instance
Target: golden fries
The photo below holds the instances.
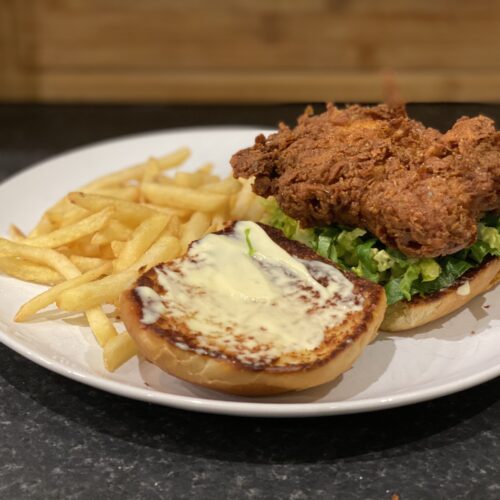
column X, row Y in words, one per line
column 117, row 247
column 182, row 213
column 48, row 297
column 151, row 171
column 183, row 197
column 15, row 233
column 125, row 211
column 165, row 248
column 68, row 234
column 195, row 228
column 255, row 210
column 142, row 238
column 136, row 172
column 85, row 264
column 242, row 202
column 127, row 193
column 118, row 350
column 94, row 243
column 29, row 271
column 101, row 325
column 95, row 293
column 114, row 231
column 227, row 186
column 71, row 215
column 46, row 256
column 44, row 226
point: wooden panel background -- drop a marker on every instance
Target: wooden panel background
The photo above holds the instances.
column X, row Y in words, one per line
column 249, row 50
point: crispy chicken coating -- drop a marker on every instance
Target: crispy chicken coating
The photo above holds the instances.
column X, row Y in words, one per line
column 413, row 187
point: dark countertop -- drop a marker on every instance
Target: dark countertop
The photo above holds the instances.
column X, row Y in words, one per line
column 63, row 440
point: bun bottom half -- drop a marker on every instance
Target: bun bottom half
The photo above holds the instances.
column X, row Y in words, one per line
column 173, row 347
column 231, row 377
column 419, row 311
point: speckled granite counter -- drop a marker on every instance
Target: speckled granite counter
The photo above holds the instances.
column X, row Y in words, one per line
column 60, row 439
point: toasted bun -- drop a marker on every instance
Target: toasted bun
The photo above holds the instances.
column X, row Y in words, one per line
column 158, row 342
column 421, row 310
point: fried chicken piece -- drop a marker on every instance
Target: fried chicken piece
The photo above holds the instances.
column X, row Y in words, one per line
column 413, row 187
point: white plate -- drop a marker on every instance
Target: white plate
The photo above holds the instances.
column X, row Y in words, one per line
column 441, row 358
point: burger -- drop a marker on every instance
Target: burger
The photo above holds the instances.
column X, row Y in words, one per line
column 382, row 195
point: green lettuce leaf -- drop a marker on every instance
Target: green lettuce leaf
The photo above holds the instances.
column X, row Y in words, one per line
column 356, row 250
column 430, row 269
column 452, row 269
column 367, row 266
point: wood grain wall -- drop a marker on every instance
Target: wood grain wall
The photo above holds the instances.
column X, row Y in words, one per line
column 249, row 50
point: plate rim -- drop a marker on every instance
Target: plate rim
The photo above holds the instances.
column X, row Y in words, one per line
column 247, row 408
column 214, row 406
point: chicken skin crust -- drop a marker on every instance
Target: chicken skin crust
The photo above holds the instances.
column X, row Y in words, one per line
column 413, row 187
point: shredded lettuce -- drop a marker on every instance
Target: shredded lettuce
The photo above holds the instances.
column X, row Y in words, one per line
column 430, row 269
column 356, row 250
column 251, row 249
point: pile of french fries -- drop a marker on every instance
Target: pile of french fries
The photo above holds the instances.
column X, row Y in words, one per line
column 95, row 242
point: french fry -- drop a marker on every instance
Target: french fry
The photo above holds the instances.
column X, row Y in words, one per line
column 255, row 211
column 164, row 179
column 114, row 230
column 142, row 238
column 57, row 212
column 68, row 234
column 103, row 291
column 207, row 169
column 70, row 216
column 117, row 247
column 15, row 233
column 151, row 171
column 189, row 179
column 172, row 160
column 28, row 271
column 127, row 193
column 49, row 296
column 242, row 202
column 218, row 223
column 137, row 171
column 47, row 256
column 85, row 264
column 101, row 238
column 107, row 252
column 118, row 351
column 58, row 207
column 174, row 226
column 44, row 226
column 195, row 228
column 227, row 186
column 125, row 211
column 182, row 213
column 87, row 249
column 165, row 248
column 182, row 197
column 102, row 327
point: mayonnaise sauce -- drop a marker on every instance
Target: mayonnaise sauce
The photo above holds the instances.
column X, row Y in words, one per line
column 253, row 307
column 464, row 289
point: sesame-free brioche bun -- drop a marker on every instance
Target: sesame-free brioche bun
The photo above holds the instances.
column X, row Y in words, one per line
column 172, row 347
column 405, row 315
